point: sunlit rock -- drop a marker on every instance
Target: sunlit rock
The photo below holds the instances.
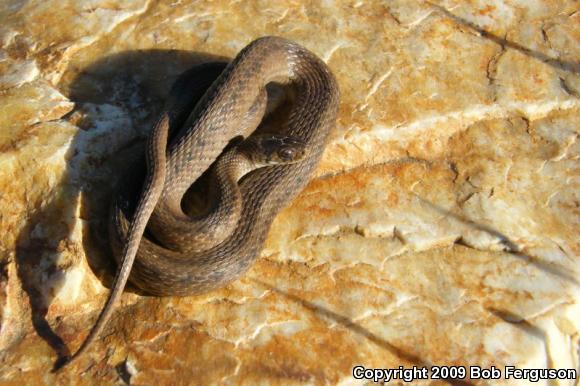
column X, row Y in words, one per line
column 441, row 227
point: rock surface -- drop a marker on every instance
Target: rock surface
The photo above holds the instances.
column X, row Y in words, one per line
column 441, row 228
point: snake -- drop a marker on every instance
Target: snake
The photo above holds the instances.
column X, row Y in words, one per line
column 213, row 122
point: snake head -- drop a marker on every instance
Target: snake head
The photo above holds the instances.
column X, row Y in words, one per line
column 279, row 149
column 271, row 149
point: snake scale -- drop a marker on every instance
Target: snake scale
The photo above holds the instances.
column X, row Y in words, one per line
column 190, row 134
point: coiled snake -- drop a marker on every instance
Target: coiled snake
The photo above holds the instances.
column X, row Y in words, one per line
column 178, row 255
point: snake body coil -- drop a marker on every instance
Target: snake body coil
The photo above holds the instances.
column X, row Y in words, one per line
column 232, row 106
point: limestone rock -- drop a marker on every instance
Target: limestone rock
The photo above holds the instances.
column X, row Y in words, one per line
column 441, row 227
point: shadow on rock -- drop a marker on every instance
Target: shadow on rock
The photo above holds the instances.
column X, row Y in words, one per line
column 557, row 63
column 406, row 358
column 117, row 100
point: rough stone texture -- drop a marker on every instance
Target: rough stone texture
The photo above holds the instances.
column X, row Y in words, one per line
column 441, row 229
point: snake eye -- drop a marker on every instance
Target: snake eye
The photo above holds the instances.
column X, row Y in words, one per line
column 286, row 154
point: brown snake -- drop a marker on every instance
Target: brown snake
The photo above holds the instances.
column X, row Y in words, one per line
column 232, row 106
